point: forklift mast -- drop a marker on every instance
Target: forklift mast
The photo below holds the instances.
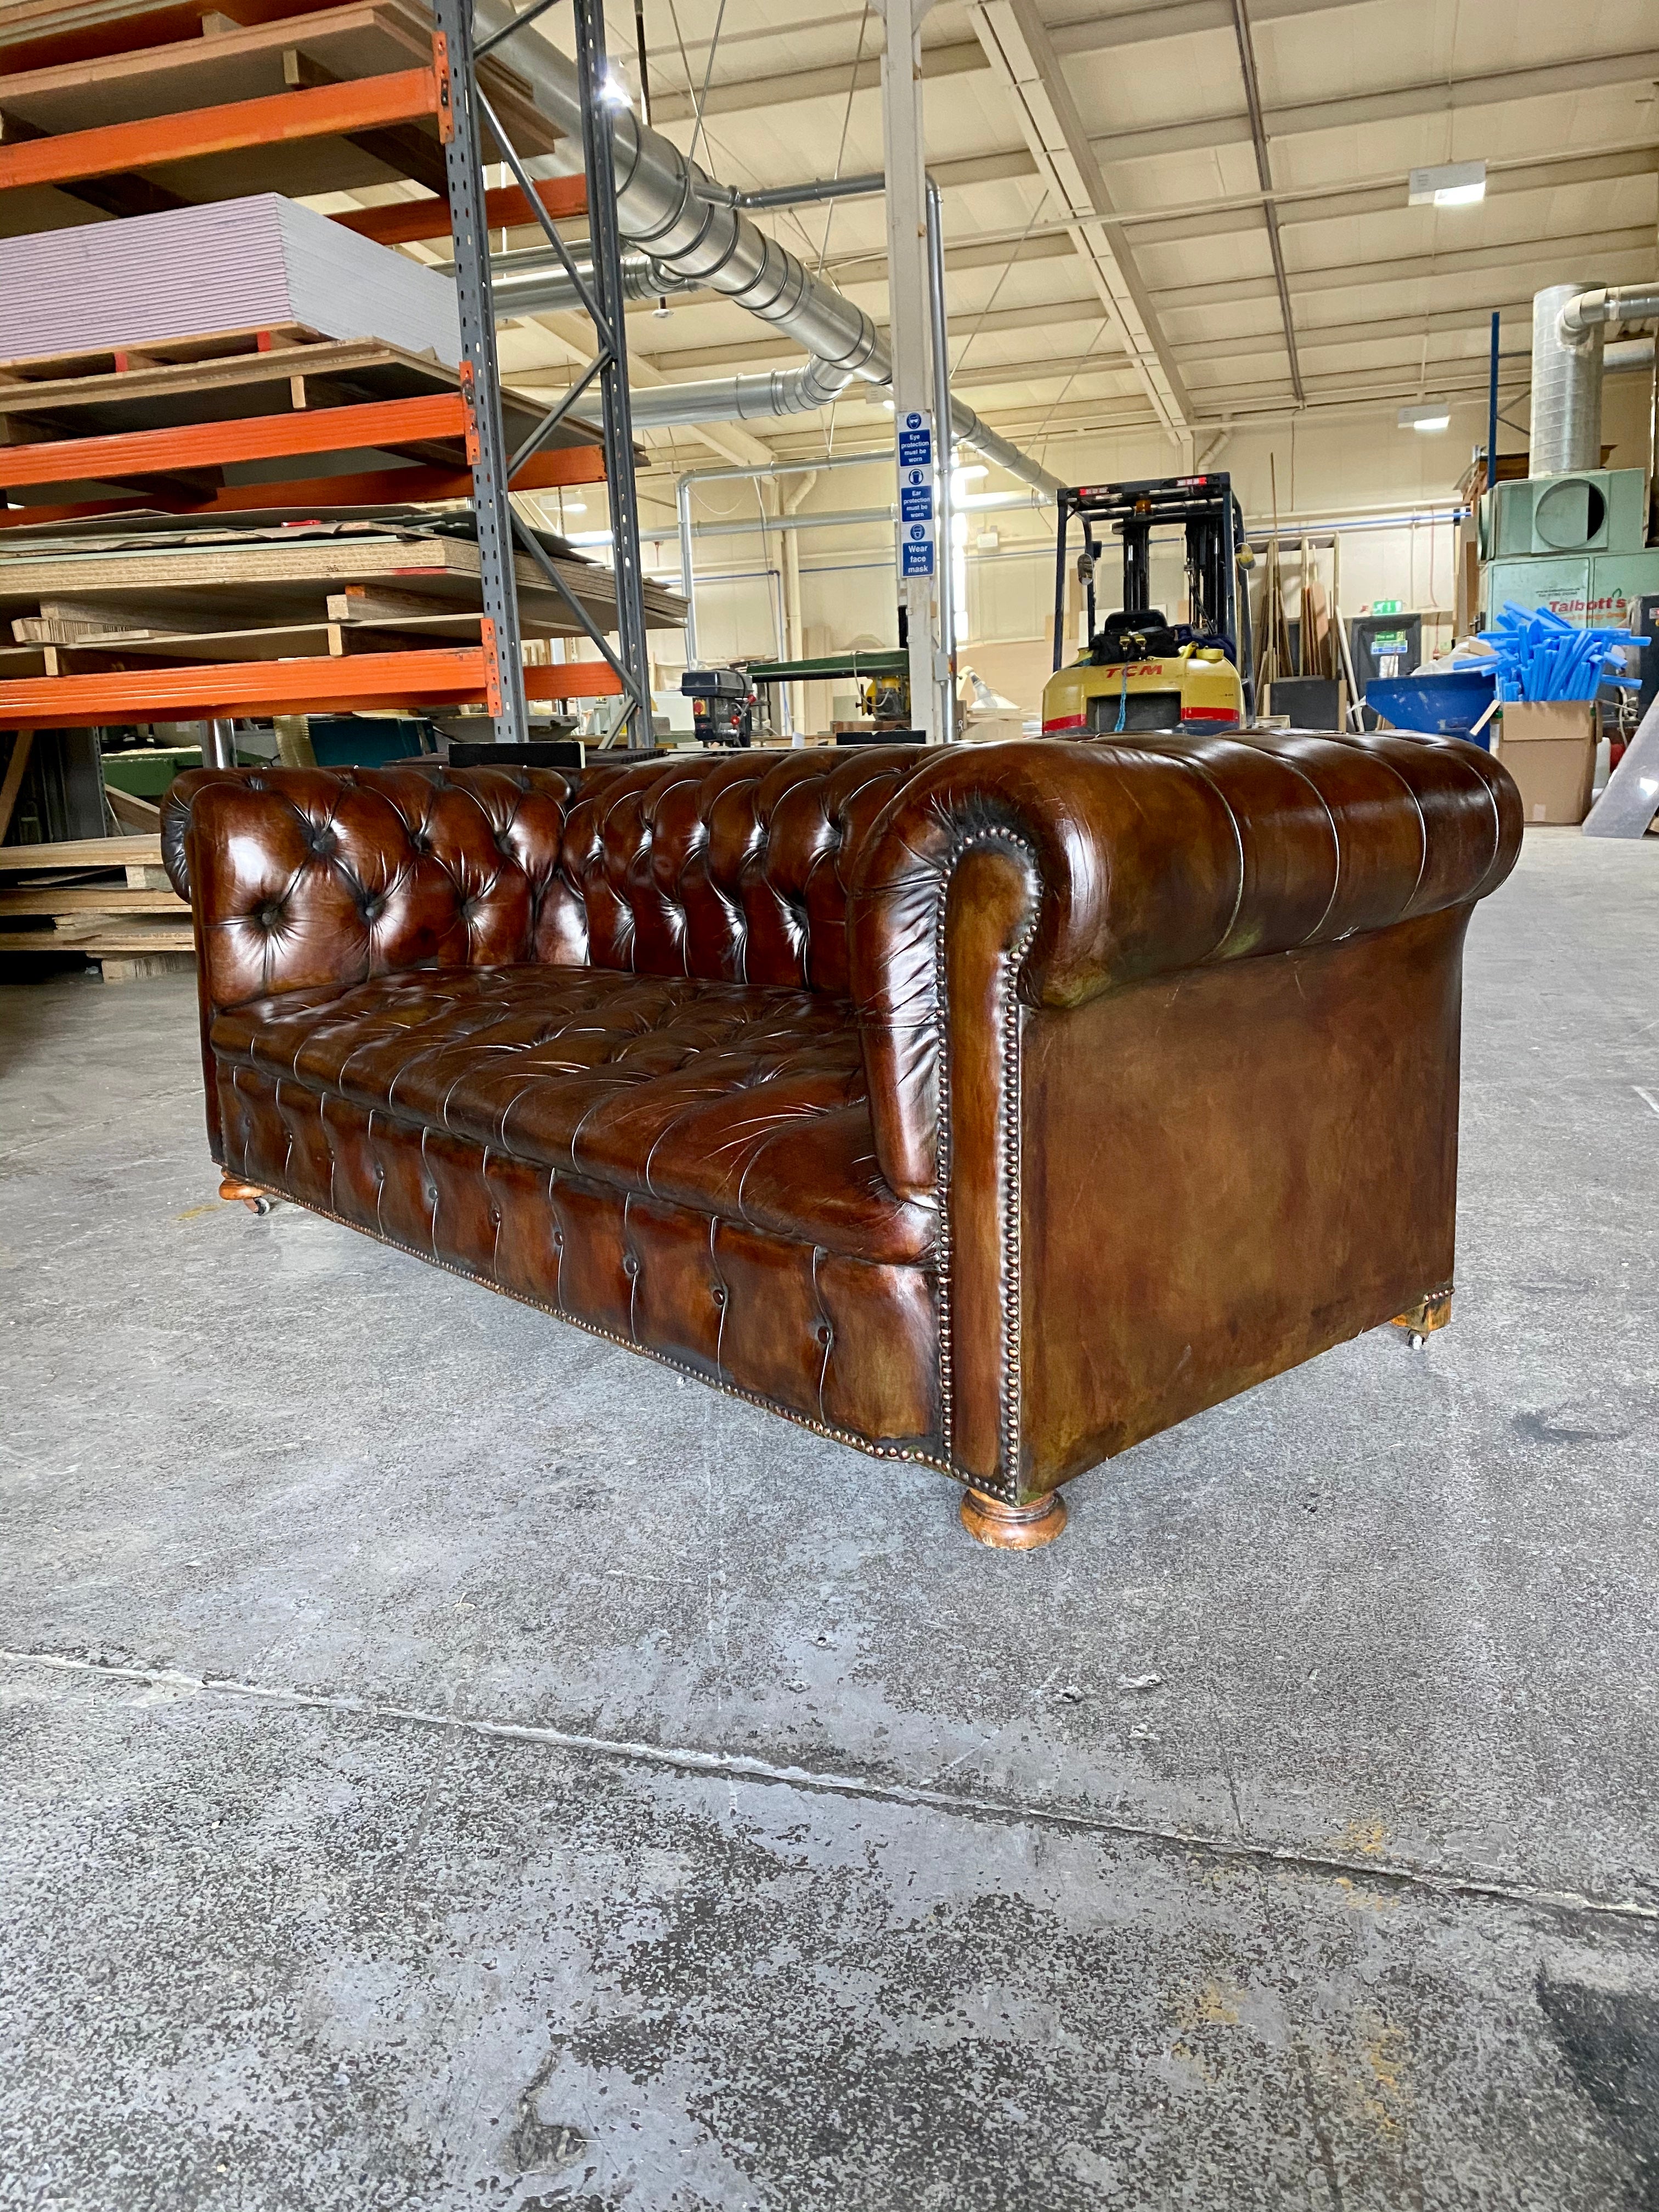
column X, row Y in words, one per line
column 1205, row 507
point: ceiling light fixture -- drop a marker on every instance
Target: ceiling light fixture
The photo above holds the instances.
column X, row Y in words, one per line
column 614, row 90
column 1428, row 415
column 1453, row 183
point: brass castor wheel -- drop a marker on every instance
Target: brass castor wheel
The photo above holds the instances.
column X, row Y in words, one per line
column 1013, row 1528
column 1419, row 1321
column 255, row 1199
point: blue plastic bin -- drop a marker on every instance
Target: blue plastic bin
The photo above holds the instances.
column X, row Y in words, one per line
column 1446, row 706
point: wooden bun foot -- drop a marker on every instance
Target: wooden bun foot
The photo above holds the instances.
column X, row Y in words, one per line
column 1013, row 1528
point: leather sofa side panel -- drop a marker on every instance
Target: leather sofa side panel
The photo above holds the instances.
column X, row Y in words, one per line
column 992, row 905
column 1226, row 1172
column 849, row 1347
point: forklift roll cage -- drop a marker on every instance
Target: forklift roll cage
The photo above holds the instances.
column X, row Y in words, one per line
column 1214, row 523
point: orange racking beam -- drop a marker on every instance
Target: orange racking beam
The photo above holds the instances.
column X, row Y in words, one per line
column 324, row 111
column 564, row 465
column 251, row 437
column 406, row 222
column 450, row 678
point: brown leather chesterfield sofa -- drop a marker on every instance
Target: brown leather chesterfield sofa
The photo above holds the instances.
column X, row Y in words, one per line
column 992, row 1108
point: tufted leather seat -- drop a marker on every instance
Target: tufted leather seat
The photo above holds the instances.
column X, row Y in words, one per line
column 743, row 1102
column 995, row 1107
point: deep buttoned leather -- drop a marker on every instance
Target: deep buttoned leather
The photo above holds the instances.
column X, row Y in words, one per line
column 995, row 1106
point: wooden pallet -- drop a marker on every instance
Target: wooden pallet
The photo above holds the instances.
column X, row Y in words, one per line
column 46, row 33
column 332, row 100
column 243, row 373
column 281, row 394
column 306, row 415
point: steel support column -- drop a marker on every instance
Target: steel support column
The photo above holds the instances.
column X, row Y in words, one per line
column 481, row 382
column 611, row 300
column 908, row 295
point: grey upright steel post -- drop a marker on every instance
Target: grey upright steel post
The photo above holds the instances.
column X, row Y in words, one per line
column 593, row 79
column 481, row 386
column 943, row 503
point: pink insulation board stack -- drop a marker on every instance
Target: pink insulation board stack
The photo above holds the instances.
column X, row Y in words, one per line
column 256, row 264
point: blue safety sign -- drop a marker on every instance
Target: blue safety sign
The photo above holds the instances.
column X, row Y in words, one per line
column 918, row 559
column 915, row 441
column 916, row 502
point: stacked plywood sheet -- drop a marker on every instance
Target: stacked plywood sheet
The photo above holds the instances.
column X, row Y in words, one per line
column 106, row 897
column 241, row 265
column 175, row 622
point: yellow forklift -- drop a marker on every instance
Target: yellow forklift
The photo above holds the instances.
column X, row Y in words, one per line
column 1142, row 671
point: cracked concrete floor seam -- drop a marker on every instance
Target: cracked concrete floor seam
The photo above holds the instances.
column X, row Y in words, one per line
column 699, row 1759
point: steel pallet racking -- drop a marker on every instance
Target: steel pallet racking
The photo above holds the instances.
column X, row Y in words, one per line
column 493, row 469
column 448, row 93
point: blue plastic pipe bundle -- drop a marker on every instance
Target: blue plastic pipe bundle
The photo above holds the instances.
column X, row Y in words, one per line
column 1539, row 656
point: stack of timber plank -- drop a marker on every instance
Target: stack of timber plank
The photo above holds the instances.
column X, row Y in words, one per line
column 107, row 898
column 381, row 610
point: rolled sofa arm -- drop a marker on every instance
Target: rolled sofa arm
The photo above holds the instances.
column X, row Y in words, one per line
column 1146, row 857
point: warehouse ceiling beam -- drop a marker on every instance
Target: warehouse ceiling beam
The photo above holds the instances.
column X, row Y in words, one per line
column 1265, row 179
column 1508, row 254
column 1092, row 31
column 1483, row 87
column 1013, row 36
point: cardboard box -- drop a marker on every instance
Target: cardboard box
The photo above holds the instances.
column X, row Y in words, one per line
column 1548, row 745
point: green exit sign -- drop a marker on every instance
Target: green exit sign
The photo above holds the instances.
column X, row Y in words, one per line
column 1385, row 606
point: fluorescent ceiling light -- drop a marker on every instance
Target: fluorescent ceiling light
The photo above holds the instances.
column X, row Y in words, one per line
column 1429, row 415
column 1453, row 183
column 575, row 506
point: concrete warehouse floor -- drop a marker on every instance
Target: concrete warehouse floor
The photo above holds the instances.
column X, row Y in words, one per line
column 446, row 1761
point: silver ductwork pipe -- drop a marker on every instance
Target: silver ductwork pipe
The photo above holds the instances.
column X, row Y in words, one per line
column 739, row 398
column 1627, row 356
column 536, row 283
column 1612, row 303
column 1568, row 356
column 683, row 219
column 688, row 225
column 1566, row 387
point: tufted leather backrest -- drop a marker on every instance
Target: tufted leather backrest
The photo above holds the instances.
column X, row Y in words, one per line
column 731, row 868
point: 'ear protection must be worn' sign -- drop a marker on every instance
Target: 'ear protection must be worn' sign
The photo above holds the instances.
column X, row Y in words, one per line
column 915, row 475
